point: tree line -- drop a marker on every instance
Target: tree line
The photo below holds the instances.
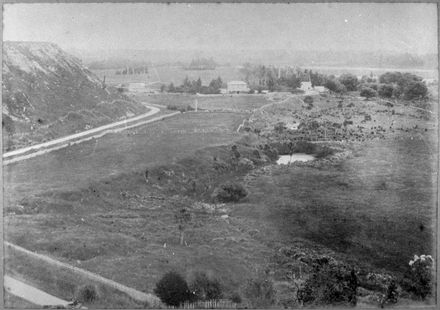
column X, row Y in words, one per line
column 195, row 86
column 396, row 85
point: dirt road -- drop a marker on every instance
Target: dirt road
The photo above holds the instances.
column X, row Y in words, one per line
column 31, row 294
column 94, row 133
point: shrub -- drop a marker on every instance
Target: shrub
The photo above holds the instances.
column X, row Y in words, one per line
column 270, row 152
column 230, row 192
column 172, row 289
column 335, row 86
column 385, row 90
column 172, row 107
column 87, row 294
column 415, row 90
column 304, row 147
column 204, row 287
column 308, row 99
column 350, row 81
column 418, row 279
column 324, row 152
column 235, row 297
column 259, row 292
column 368, row 93
column 280, row 127
column 329, row 283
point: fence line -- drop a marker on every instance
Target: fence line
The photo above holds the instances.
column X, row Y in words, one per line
column 208, row 304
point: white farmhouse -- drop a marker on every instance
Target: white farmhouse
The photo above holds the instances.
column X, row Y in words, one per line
column 306, row 86
column 137, row 87
column 237, row 87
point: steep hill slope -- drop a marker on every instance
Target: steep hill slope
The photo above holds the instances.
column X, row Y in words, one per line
column 47, row 93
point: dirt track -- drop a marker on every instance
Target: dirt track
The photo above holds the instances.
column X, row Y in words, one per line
column 135, row 294
column 57, row 144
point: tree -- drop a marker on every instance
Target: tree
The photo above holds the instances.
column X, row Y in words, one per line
column 205, row 287
column 335, row 86
column 330, row 282
column 172, row 289
column 350, row 81
column 259, row 292
column 368, row 93
column 385, row 90
column 415, row 90
column 230, row 192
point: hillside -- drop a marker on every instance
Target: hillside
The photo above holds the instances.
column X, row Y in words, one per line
column 47, row 93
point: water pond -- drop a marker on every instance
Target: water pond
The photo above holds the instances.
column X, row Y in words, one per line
column 287, row 159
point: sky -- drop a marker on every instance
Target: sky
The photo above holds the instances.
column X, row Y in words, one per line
column 320, row 27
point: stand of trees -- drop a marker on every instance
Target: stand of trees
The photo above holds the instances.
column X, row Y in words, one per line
column 195, row 86
column 133, row 70
column 202, row 64
column 272, row 78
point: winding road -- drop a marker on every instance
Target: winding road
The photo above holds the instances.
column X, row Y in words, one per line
column 43, row 148
column 32, row 294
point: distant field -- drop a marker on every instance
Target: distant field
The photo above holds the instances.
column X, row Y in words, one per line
column 170, row 74
column 212, row 103
column 91, row 161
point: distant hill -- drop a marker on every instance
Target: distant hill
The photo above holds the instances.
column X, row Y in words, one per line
column 47, row 93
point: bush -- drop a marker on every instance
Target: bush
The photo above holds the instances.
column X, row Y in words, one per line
column 230, row 192
column 329, row 283
column 235, row 297
column 335, row 86
column 280, row 127
column 308, row 99
column 368, row 93
column 172, row 289
column 385, row 90
column 418, row 279
column 415, row 90
column 324, row 152
column 350, row 81
column 304, row 147
column 205, row 288
column 259, row 292
column 87, row 294
column 270, row 152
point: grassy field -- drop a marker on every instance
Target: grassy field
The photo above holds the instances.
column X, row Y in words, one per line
column 90, row 205
column 132, row 150
column 377, row 207
column 244, row 103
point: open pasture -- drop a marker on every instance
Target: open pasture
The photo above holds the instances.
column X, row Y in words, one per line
column 377, row 206
column 236, row 103
column 131, row 150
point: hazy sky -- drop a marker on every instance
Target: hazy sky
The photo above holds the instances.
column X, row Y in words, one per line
column 396, row 27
